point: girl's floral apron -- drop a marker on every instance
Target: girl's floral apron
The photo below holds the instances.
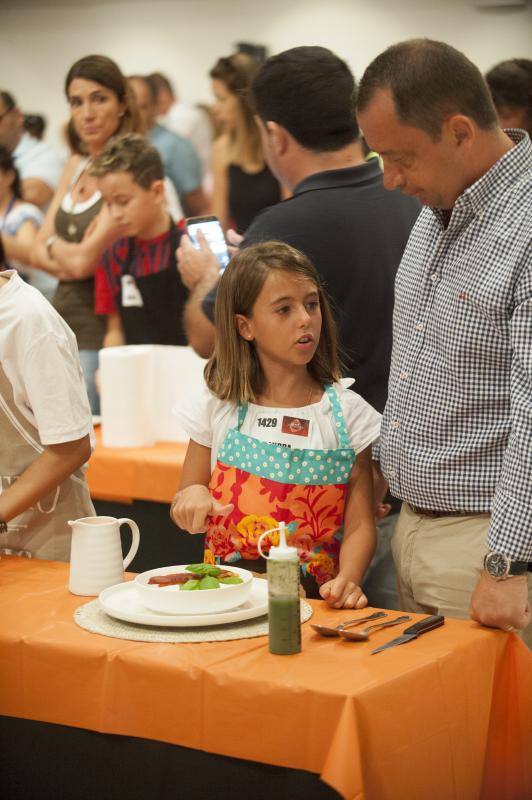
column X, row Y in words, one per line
column 269, row 483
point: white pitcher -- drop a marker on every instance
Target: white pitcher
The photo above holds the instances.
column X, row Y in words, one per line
column 96, row 553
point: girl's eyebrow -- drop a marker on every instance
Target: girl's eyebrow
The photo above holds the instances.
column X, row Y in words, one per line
column 314, row 293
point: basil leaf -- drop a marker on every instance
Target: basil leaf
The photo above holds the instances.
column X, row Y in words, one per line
column 208, row 582
column 189, row 586
column 232, row 579
column 204, row 569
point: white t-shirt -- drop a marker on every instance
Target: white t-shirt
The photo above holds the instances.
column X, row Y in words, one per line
column 35, row 159
column 39, row 355
column 207, row 419
column 19, row 214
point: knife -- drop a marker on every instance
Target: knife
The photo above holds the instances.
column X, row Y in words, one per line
column 413, row 631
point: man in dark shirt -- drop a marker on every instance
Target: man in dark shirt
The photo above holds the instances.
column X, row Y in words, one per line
column 340, row 215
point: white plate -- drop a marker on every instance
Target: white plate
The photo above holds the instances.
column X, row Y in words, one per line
column 122, row 602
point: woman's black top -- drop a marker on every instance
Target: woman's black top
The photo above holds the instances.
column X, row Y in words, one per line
column 249, row 194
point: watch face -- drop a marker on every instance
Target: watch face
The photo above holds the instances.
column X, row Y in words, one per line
column 497, row 565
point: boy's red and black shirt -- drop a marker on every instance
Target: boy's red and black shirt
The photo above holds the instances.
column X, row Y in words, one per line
column 147, row 256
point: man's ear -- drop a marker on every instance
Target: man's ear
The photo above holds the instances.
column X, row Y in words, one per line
column 244, row 327
column 462, row 130
column 279, row 137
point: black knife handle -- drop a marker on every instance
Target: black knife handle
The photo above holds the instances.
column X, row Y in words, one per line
column 425, row 625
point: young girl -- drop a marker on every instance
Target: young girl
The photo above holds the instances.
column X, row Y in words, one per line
column 277, row 436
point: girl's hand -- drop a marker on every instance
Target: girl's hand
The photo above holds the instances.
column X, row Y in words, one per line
column 192, row 506
column 343, row 593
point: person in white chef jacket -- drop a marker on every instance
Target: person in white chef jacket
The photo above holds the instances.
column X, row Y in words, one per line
column 45, row 424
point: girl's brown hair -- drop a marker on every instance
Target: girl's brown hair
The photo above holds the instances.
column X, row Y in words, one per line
column 106, row 72
column 236, row 72
column 234, row 372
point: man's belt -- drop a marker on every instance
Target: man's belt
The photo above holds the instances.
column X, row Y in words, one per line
column 433, row 514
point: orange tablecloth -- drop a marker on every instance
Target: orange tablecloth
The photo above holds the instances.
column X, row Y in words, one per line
column 444, row 717
column 125, row 474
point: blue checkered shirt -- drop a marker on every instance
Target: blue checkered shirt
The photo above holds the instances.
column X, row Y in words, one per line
column 457, row 429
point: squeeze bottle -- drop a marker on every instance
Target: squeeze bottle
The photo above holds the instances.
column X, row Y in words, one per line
column 284, row 619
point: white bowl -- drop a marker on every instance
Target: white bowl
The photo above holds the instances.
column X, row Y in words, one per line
column 171, row 600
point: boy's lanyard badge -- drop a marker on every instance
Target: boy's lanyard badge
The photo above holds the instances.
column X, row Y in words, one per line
column 268, row 483
column 131, row 297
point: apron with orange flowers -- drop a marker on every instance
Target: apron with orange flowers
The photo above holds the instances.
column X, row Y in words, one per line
column 270, row 483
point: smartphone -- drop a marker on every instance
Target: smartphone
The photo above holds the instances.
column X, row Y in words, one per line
column 213, row 232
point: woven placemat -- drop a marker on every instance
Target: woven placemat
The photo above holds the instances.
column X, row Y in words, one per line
column 93, row 619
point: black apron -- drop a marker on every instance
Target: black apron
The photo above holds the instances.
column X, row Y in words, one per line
column 160, row 319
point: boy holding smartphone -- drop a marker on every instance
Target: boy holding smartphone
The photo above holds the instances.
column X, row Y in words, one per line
column 138, row 285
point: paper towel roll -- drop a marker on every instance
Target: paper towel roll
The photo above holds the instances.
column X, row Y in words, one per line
column 141, row 387
column 179, row 375
column 128, row 396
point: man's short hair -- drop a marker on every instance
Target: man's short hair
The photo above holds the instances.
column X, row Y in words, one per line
column 35, row 125
column 159, row 81
column 310, row 92
column 152, row 89
column 510, row 83
column 131, row 153
column 8, row 100
column 429, row 81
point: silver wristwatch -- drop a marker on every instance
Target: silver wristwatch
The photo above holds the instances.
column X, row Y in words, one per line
column 500, row 567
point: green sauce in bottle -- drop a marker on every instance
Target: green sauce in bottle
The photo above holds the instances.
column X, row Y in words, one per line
column 284, row 620
column 284, row 625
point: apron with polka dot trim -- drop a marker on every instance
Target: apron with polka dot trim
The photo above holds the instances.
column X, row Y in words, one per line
column 269, row 483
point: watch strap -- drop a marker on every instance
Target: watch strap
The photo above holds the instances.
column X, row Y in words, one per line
column 519, row 567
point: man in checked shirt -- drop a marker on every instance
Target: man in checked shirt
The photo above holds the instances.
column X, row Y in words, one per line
column 456, row 442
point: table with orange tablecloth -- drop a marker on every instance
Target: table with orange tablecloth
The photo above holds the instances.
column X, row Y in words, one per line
column 447, row 716
column 128, row 473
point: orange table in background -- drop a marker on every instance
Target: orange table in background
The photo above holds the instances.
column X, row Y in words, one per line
column 447, row 716
column 124, row 474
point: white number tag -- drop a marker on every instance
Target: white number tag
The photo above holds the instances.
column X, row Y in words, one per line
column 130, row 293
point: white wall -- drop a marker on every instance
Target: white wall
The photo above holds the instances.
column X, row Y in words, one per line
column 40, row 39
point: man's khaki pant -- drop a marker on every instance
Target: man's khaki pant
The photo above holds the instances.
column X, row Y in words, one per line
column 439, row 562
